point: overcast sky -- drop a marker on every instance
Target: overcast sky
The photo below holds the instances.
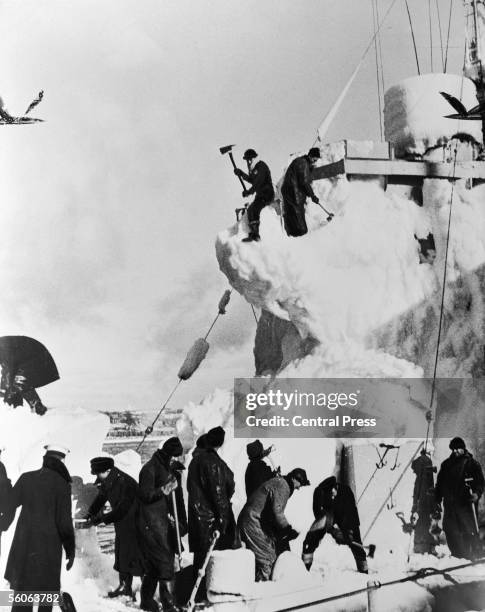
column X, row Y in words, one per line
column 109, row 210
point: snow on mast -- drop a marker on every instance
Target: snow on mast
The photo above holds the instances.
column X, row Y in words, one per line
column 475, row 48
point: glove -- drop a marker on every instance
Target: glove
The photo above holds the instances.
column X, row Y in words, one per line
column 70, row 562
column 220, row 525
column 338, row 535
column 238, row 171
column 169, row 486
column 315, row 199
column 473, row 497
column 246, row 193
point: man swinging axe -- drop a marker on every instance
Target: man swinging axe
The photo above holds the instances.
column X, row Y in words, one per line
column 259, row 176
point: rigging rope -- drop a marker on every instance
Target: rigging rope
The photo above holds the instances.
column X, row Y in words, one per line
column 448, row 35
column 375, row 24
column 430, row 35
column 380, row 49
column 441, row 35
column 412, row 36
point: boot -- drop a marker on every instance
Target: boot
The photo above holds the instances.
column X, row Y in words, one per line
column 147, row 591
column 118, row 592
column 167, row 596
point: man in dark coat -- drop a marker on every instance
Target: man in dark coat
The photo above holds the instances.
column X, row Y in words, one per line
column 296, row 188
column 460, row 485
column 26, row 365
column 156, row 525
column 257, row 471
column 336, row 513
column 259, row 176
column 5, row 499
column 262, row 521
column 423, row 504
column 121, row 491
column 210, row 485
column 43, row 529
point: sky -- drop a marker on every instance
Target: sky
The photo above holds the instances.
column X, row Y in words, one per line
column 110, row 209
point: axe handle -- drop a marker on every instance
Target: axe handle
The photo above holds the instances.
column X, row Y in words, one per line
column 234, row 166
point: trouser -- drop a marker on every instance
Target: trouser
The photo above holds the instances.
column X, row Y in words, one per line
column 423, row 540
column 460, row 530
column 147, row 593
column 264, row 547
column 254, row 212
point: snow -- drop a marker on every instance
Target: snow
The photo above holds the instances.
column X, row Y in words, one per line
column 414, row 112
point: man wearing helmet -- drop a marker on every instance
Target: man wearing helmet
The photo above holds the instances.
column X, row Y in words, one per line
column 259, row 176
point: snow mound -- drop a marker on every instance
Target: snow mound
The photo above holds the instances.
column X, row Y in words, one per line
column 414, row 112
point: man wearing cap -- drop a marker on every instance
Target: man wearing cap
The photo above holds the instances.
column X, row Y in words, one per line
column 5, row 499
column 296, row 188
column 26, row 366
column 460, row 485
column 257, row 471
column 159, row 477
column 120, row 490
column 336, row 513
column 262, row 520
column 43, row 529
column 210, row 485
column 259, row 176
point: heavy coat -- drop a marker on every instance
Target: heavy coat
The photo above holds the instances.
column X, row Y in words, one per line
column 121, row 491
column 210, row 484
column 296, row 188
column 155, row 520
column 5, row 500
column 262, row 521
column 28, row 357
column 458, row 518
column 257, row 472
column 43, row 529
column 423, row 503
column 261, row 184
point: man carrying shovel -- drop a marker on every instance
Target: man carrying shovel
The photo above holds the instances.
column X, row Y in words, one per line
column 336, row 513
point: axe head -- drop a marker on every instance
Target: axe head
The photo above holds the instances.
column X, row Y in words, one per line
column 372, row 550
column 226, row 149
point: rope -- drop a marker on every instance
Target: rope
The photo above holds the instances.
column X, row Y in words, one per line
column 375, row 23
column 430, row 35
column 391, row 491
column 149, row 429
column 441, row 35
column 254, row 313
column 412, row 36
column 448, row 35
column 426, row 572
column 379, row 39
column 440, row 324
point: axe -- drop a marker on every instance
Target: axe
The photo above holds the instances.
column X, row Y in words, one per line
column 228, row 149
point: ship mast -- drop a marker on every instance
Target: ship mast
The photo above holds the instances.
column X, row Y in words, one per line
column 474, row 49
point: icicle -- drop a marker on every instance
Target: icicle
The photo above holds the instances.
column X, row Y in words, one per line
column 194, row 358
column 224, row 301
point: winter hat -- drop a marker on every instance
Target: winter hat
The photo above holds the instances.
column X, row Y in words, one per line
column 457, row 443
column 101, row 464
column 300, row 475
column 56, row 450
column 255, row 450
column 329, row 483
column 201, row 441
column 249, row 154
column 215, row 437
column 173, row 447
column 314, row 152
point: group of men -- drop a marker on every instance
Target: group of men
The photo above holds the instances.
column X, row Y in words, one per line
column 295, row 189
column 150, row 517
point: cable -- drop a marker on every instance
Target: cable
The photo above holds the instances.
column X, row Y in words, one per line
column 441, row 35
column 254, row 313
column 412, row 36
column 374, row 18
column 430, row 35
column 448, row 35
